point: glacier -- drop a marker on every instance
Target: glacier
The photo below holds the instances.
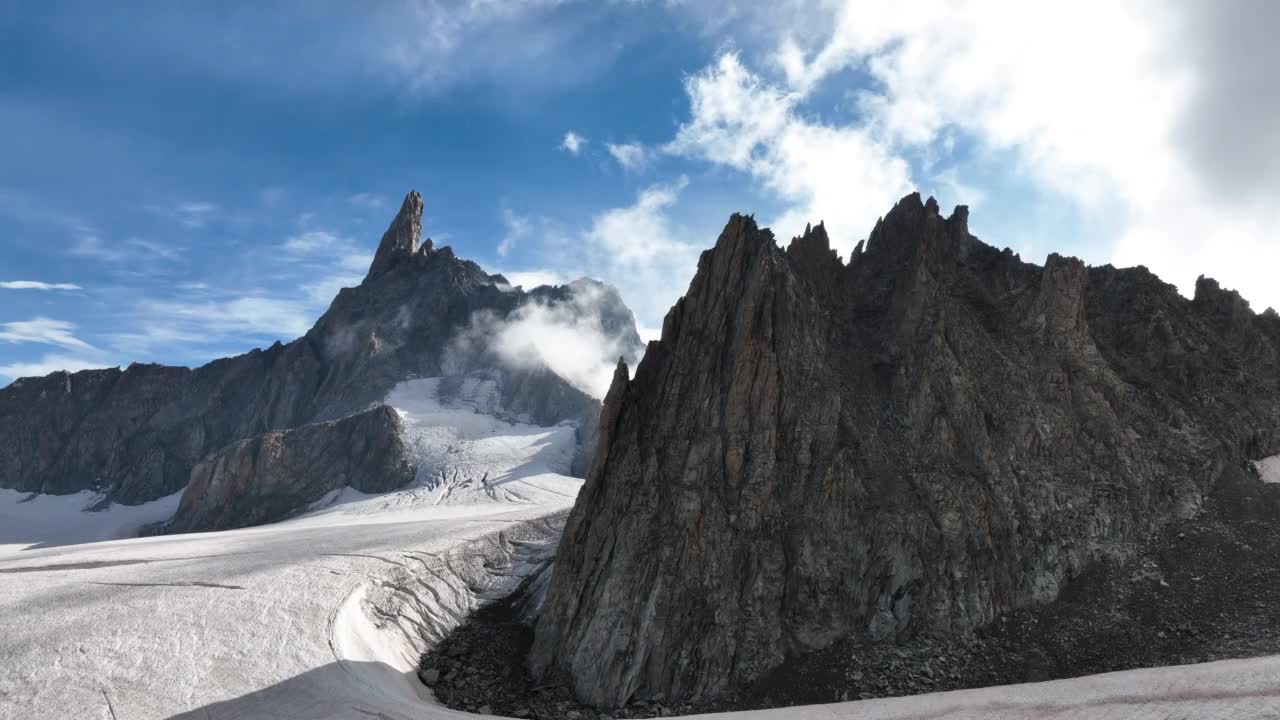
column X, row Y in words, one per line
column 324, row 615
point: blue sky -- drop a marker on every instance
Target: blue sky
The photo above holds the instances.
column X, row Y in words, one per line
column 182, row 181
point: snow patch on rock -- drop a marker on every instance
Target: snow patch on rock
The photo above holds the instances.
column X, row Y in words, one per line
column 1269, row 469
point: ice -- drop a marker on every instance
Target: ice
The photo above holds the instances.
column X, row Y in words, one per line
column 466, row 453
column 323, row 616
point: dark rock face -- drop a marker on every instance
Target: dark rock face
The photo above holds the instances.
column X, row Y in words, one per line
column 266, row 478
column 136, row 434
column 919, row 440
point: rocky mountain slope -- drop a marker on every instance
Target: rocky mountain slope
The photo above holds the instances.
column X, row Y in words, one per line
column 136, row 434
column 263, row 479
column 919, row 440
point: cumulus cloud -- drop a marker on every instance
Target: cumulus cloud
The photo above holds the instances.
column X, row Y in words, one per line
column 567, row 337
column 838, row 174
column 631, row 156
column 43, row 330
column 1161, row 134
column 573, row 142
column 36, row 285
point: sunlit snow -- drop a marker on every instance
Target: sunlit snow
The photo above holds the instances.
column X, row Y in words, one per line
column 323, row 616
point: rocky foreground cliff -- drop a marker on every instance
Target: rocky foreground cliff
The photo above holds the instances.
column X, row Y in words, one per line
column 916, row 441
column 134, row 435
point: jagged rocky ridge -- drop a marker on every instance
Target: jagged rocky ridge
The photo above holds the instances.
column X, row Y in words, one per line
column 136, row 434
column 915, row 441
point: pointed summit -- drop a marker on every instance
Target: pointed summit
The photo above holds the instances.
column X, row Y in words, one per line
column 401, row 238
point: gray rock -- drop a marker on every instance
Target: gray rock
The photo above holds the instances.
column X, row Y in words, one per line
column 920, row 440
column 402, row 239
column 268, row 477
column 429, row 677
column 136, row 434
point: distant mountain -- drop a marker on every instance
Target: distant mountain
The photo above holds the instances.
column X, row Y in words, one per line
column 135, row 435
column 916, row 441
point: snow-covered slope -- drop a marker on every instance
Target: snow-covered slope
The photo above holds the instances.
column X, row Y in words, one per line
column 28, row 519
column 467, row 449
column 286, row 621
column 275, row 618
column 323, row 616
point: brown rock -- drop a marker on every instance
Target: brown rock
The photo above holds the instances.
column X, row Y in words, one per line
column 920, row 440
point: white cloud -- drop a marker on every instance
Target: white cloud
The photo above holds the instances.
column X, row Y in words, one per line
column 529, row 279
column 48, row 364
column 519, row 45
column 639, row 234
column 36, row 285
column 194, row 214
column 42, row 330
column 334, row 260
column 254, row 315
column 1158, row 129
column 132, row 250
column 518, row 228
column 838, row 174
column 368, row 201
column 643, row 251
column 573, row 142
column 631, row 156
column 638, row 248
column 315, row 242
column 568, row 338
column 136, row 247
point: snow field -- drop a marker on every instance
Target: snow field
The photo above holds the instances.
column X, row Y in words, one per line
column 323, row 616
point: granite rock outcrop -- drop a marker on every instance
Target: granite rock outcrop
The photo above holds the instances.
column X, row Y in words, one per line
column 914, row 441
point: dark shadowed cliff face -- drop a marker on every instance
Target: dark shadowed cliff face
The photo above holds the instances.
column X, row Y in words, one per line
column 136, row 434
column 916, row 441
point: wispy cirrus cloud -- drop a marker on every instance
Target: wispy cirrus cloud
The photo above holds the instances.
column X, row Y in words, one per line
column 49, row 364
column 369, row 201
column 36, row 285
column 191, row 214
column 44, row 331
column 90, row 244
column 252, row 315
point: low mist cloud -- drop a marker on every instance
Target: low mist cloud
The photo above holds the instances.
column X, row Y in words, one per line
column 569, row 337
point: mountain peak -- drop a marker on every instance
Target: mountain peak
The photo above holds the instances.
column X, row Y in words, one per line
column 402, row 238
